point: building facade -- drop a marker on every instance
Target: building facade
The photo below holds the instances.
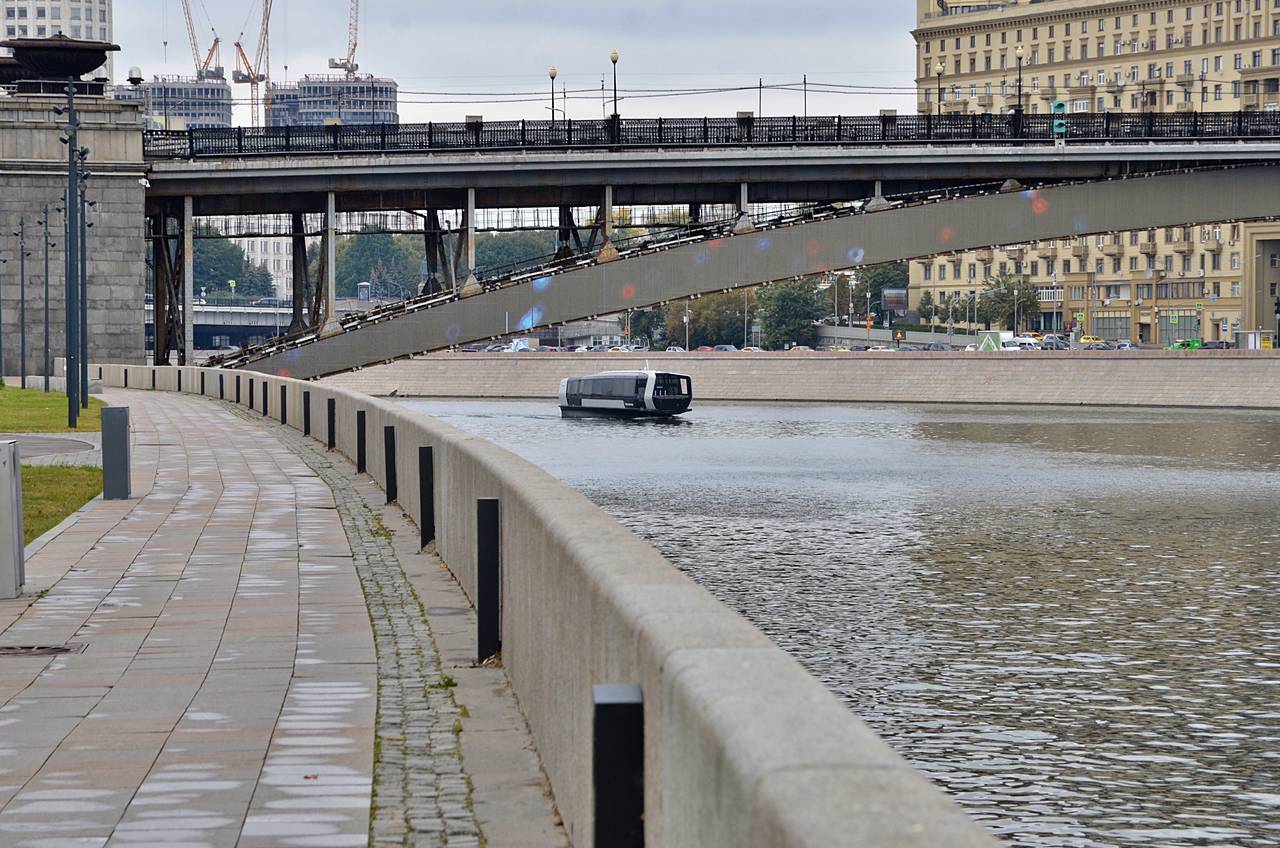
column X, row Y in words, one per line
column 1151, row 285
column 86, row 19
column 319, row 99
column 180, row 103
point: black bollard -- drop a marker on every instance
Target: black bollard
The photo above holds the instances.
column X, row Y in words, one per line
column 389, row 462
column 426, row 495
column 360, row 451
column 617, row 764
column 488, row 579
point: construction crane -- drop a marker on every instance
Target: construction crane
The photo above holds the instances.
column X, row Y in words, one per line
column 258, row 71
column 353, row 36
column 206, row 68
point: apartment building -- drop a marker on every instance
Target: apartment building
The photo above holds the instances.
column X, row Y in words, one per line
column 86, row 19
column 181, row 103
column 1127, row 56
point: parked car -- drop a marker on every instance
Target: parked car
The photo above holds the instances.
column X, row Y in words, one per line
column 471, row 348
column 1054, row 343
column 703, row 349
column 800, row 349
column 1088, row 340
column 1125, row 344
column 1217, row 345
column 1186, row 344
column 752, row 349
column 937, row 346
column 674, row 349
column 906, row 348
column 725, row 349
column 1009, row 345
column 970, row 348
column 496, row 348
column 1027, row 342
column 1099, row 346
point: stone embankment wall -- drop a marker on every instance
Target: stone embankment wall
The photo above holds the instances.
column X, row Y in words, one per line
column 1216, row 379
column 742, row 746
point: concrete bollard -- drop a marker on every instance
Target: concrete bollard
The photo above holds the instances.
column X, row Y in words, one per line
column 488, row 579
column 116, row 465
column 12, row 566
column 389, row 462
column 426, row 495
column 617, row 764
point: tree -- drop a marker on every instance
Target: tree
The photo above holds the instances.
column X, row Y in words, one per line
column 713, row 319
column 255, row 281
column 650, row 324
column 359, row 255
column 881, row 277
column 788, row 312
column 1002, row 294
column 216, row 261
column 928, row 309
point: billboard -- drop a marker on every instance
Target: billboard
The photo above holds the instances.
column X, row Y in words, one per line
column 894, row 300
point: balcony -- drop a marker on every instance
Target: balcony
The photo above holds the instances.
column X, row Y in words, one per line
column 1049, row 94
column 1184, row 246
column 1212, row 245
column 1185, row 106
column 1248, row 101
column 985, row 101
column 983, row 256
column 1113, row 250
column 1148, row 247
column 1186, row 79
column 1080, row 251
column 1114, row 86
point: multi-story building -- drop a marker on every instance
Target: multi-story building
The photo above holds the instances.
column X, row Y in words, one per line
column 86, row 19
column 181, row 103
column 319, row 99
column 1112, row 55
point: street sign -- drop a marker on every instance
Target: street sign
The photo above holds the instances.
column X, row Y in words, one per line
column 1079, row 316
column 1200, row 306
column 989, row 341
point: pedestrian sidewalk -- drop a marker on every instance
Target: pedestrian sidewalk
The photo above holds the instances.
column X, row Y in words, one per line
column 225, row 685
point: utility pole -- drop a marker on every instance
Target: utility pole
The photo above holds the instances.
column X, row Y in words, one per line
column 71, row 373
column 47, row 363
column 22, row 301
column 760, row 98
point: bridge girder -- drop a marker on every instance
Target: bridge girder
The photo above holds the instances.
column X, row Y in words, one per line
column 1245, row 193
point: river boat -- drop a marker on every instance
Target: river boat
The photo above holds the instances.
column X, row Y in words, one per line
column 626, row 394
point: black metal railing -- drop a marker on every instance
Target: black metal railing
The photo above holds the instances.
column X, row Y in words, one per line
column 704, row 132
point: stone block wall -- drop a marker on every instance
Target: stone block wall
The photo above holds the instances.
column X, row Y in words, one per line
column 33, row 174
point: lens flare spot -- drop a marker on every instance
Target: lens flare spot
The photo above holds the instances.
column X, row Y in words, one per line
column 1039, row 203
column 856, row 255
column 700, row 258
column 1081, row 224
column 628, row 292
column 531, row 318
column 947, row 234
column 453, row 333
column 542, row 284
column 714, row 244
column 813, row 247
column 763, row 245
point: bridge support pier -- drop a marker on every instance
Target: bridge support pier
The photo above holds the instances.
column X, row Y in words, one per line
column 331, row 324
column 607, row 252
column 471, row 285
column 188, row 282
column 301, row 282
column 744, row 223
column 436, row 255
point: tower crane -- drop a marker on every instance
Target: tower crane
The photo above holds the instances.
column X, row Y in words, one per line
column 353, row 36
column 258, row 71
column 206, row 68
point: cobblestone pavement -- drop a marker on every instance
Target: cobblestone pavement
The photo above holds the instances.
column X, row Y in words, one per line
column 421, row 793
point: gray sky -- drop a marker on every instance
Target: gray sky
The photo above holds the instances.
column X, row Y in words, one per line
column 485, row 46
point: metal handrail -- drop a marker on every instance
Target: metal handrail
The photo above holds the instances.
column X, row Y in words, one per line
column 610, row 133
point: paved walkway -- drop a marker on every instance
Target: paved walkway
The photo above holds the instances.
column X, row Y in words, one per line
column 67, row 449
column 228, row 689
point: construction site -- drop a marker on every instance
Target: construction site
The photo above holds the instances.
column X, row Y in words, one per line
column 209, row 98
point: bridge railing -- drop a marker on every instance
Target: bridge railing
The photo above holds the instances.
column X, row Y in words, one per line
column 701, row 132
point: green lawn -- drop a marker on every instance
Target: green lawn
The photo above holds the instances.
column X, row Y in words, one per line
column 50, row 494
column 31, row 410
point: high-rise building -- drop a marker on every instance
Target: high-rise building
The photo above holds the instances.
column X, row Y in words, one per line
column 86, row 19
column 1152, row 285
column 319, row 99
column 181, row 103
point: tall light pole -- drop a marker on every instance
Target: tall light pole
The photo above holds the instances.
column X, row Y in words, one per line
column 552, row 73
column 938, row 69
column 47, row 244
column 1019, row 54
column 613, row 57
column 71, row 374
column 22, row 300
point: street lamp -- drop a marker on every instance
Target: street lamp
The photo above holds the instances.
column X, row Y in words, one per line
column 613, row 57
column 938, row 69
column 1018, row 54
column 22, row 300
column 552, row 73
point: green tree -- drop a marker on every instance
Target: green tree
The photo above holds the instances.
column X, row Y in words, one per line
column 359, row 255
column 881, row 277
column 927, row 308
column 788, row 310
column 713, row 319
column 1002, row 295
column 255, row 281
column 649, row 324
column 217, row 260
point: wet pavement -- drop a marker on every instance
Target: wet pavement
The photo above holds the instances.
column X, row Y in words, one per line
column 1068, row 618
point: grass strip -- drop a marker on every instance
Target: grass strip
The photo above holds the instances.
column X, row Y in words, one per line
column 51, row 493
column 33, row 410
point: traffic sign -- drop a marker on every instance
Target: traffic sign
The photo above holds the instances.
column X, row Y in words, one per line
column 1079, row 316
column 1200, row 306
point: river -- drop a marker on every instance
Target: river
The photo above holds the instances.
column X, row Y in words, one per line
column 1068, row 618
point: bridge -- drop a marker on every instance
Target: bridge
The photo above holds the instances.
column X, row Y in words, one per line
column 920, row 177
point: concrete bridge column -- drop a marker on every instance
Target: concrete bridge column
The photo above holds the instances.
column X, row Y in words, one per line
column 298, row 246
column 188, row 282
column 471, row 285
column 744, row 224
column 331, row 266
column 607, row 252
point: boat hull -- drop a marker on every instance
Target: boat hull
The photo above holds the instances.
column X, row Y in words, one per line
column 588, row 412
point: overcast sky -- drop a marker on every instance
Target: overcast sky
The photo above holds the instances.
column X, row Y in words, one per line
column 506, row 46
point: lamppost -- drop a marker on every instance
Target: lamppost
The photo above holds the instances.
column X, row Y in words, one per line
column 613, row 57
column 44, row 221
column 71, row 375
column 22, row 300
column 1019, row 54
column 552, row 73
column 938, row 69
